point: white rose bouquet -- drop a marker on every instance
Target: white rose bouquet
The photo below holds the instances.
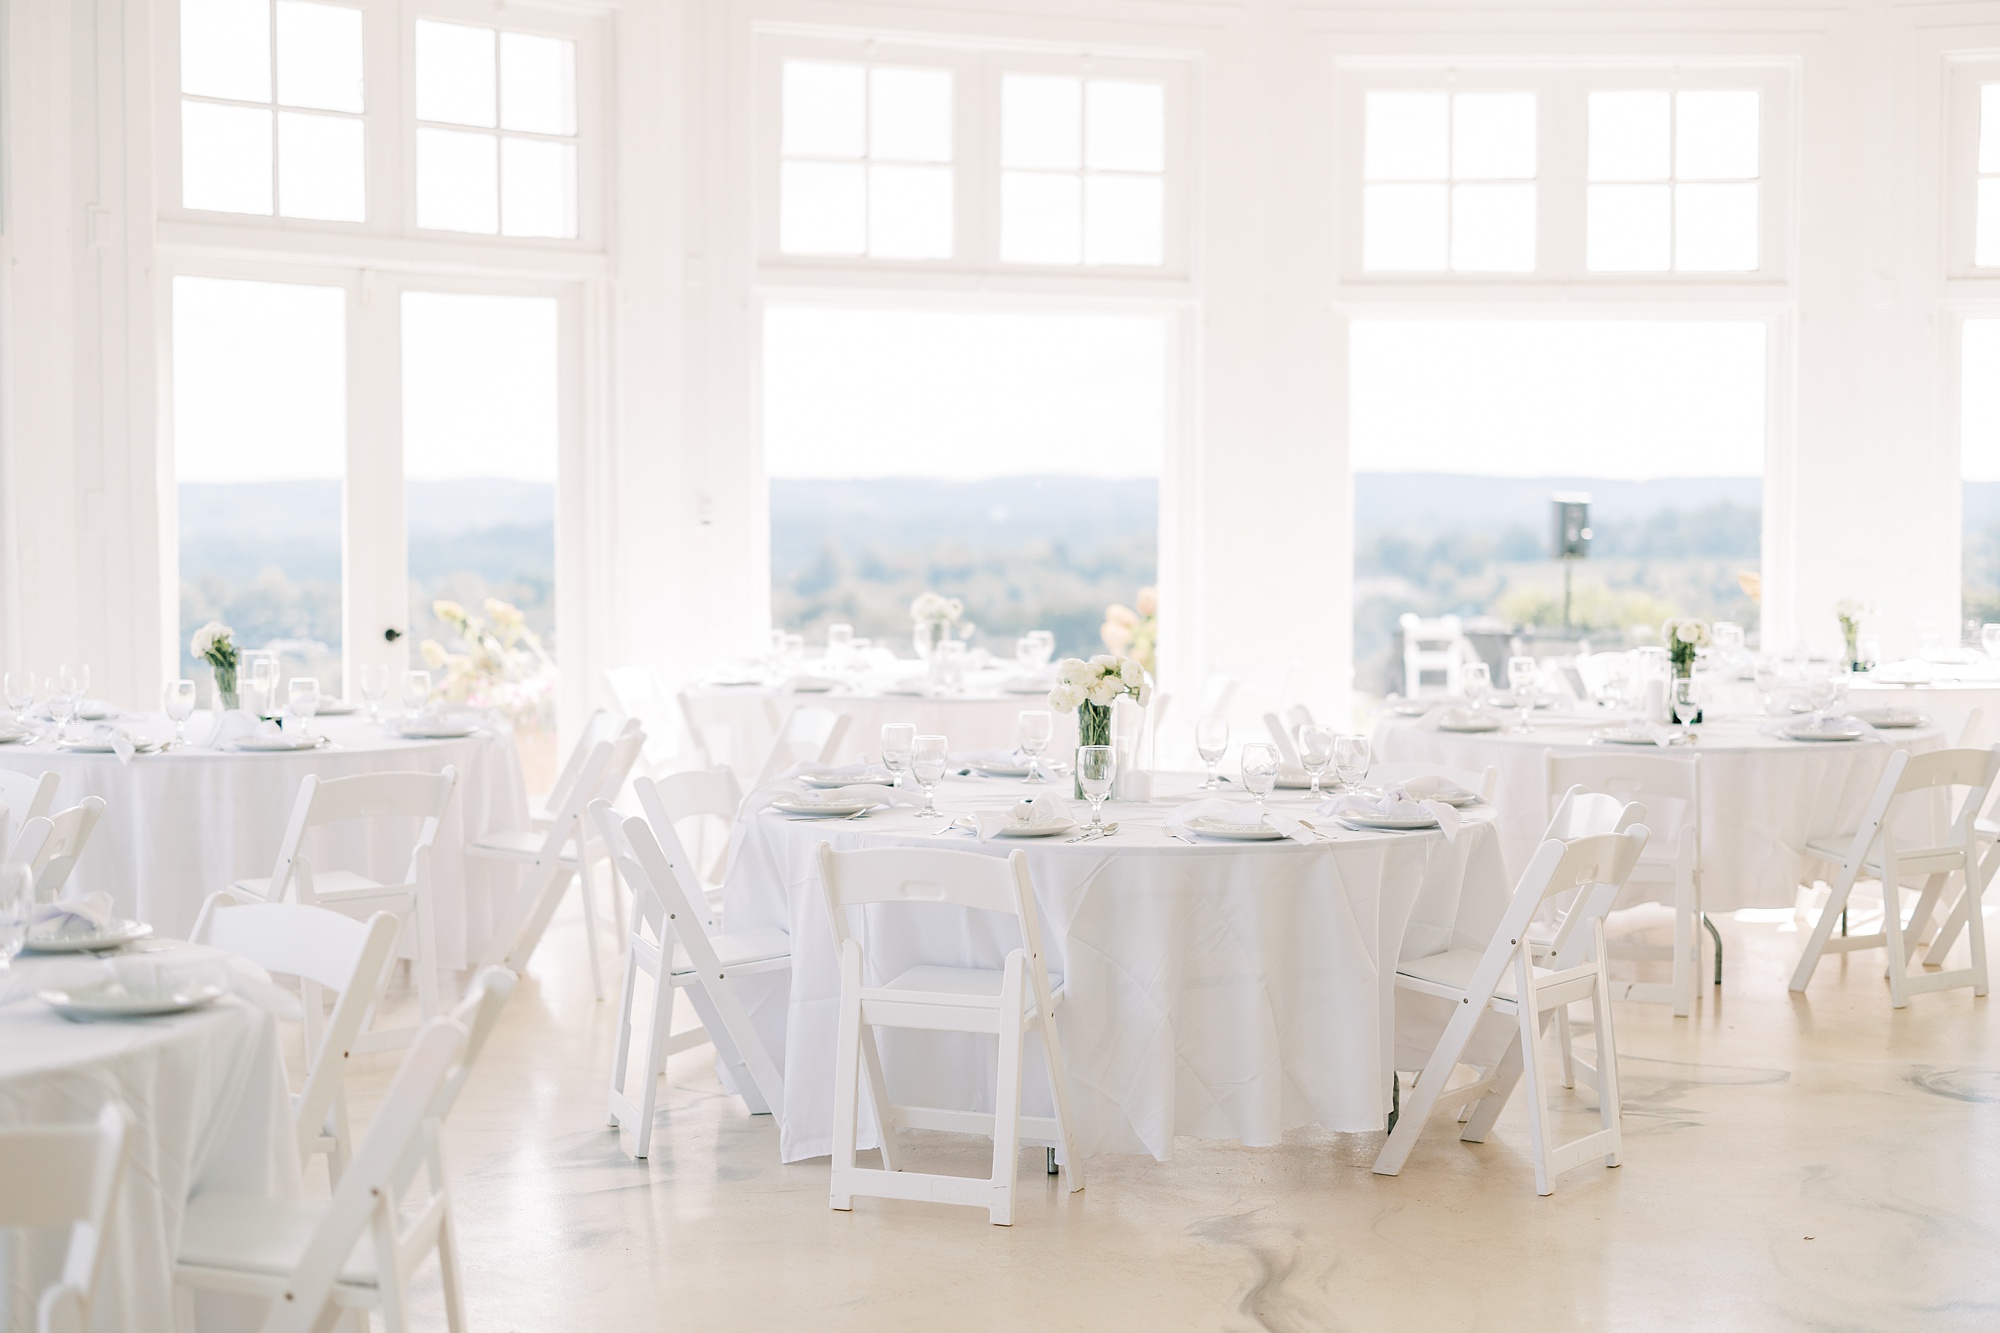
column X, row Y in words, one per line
column 215, row 644
column 1089, row 689
column 1851, row 613
column 934, row 606
column 1683, row 635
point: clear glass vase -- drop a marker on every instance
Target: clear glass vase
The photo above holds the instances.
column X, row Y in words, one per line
column 1093, row 727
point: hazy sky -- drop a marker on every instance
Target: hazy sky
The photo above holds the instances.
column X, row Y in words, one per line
column 1979, row 424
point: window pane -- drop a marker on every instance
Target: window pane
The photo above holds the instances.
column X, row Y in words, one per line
column 1493, row 136
column 1630, row 228
column 1986, row 241
column 454, row 73
column 1123, row 220
column 1979, row 405
column 909, row 212
column 825, row 111
column 225, row 158
column 1127, row 125
column 319, row 56
column 1403, row 228
column 458, row 186
column 1989, row 127
column 537, row 83
column 1715, row 136
column 1715, row 228
column 1041, row 121
column 226, row 49
column 822, row 209
column 260, row 448
column 1631, row 136
column 1041, row 218
column 909, row 115
column 537, row 188
column 1493, row 228
column 320, row 168
column 1407, row 136
column 481, row 431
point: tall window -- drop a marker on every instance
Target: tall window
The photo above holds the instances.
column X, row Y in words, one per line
column 867, row 154
column 496, row 135
column 1986, row 227
column 1450, row 182
column 271, row 109
column 1083, row 170
column 1673, row 182
column 1979, row 468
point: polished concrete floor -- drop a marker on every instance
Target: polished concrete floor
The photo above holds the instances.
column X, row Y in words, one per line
column 1818, row 1162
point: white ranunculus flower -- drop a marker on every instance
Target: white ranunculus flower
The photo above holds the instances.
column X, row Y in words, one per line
column 1064, row 698
column 1131, row 672
column 1106, row 691
column 1146, row 694
column 1073, row 671
column 1105, row 660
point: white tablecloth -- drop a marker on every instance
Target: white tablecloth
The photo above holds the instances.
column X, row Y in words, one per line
column 180, row 825
column 1228, row 990
column 1761, row 796
column 210, row 1110
column 1948, row 703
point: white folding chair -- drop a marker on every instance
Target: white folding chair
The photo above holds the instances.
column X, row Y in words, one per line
column 321, row 948
column 66, row 1175
column 399, row 796
column 1432, row 647
column 48, row 846
column 597, row 727
column 1281, row 736
column 672, row 946
column 1482, row 781
column 644, row 702
column 1009, row 1002
column 707, row 798
column 314, row 1259
column 1670, row 788
column 23, row 797
column 553, row 856
column 1872, row 850
column 1502, row 979
column 808, row 736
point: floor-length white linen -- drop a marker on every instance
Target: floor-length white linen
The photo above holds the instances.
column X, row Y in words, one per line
column 1230, row 991
column 1761, row 796
column 210, row 1111
column 180, row 825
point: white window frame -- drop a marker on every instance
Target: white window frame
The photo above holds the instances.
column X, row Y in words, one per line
column 1961, row 169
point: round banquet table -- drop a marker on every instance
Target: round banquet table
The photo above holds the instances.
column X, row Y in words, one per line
column 1222, row 990
column 1948, row 703
column 210, row 1111
column 179, row 825
column 1762, row 796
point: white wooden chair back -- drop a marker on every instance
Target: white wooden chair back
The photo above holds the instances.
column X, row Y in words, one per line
column 666, row 896
column 1432, row 647
column 548, row 872
column 1669, row 785
column 925, row 875
column 420, row 796
column 320, row 947
column 808, row 736
column 27, row 843
column 1481, row 781
column 1281, row 736
column 643, row 704
column 706, row 798
column 24, row 797
column 373, row 1200
column 597, row 727
column 68, row 834
column 57, row 1175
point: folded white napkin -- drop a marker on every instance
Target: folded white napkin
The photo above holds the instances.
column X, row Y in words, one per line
column 230, row 725
column 1436, row 787
column 1453, row 717
column 1041, row 809
column 1396, row 803
column 164, row 966
column 77, row 916
column 122, row 742
column 1659, row 733
column 1235, row 812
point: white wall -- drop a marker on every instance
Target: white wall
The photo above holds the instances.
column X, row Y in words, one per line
column 1860, row 493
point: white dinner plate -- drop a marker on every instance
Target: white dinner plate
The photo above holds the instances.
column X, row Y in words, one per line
column 1469, row 725
column 827, row 781
column 1411, row 708
column 813, row 685
column 1389, row 823
column 106, row 747
column 1811, row 733
column 1460, row 800
column 1216, row 828
column 998, row 770
column 437, row 731
column 86, row 1004
column 1625, row 736
column 1888, row 719
column 275, row 744
column 114, row 936
column 1048, row 830
column 822, row 809
column 335, row 708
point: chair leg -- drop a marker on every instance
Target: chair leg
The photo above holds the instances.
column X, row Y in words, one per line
column 1423, row 1097
column 1975, row 929
column 583, row 885
column 1007, row 1100
column 1567, row 1052
column 1072, row 1161
column 1835, row 909
column 1610, row 1109
column 1687, row 946
column 617, row 898
column 736, row 1044
column 1923, row 926
column 448, row 1271
column 621, row 1051
column 1892, row 931
column 846, row 1079
column 427, row 968
column 1539, row 1130
column 1485, row 1111
column 656, row 1059
column 878, row 1091
column 1716, row 936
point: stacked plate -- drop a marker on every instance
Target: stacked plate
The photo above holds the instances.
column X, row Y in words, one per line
column 1888, row 719
column 1467, row 721
column 1363, row 819
column 819, row 805
column 277, row 744
column 80, row 935
column 1826, row 729
column 1210, row 827
column 437, row 730
column 828, row 781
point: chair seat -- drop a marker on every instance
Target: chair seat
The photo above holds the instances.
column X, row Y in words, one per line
column 326, row 884
column 763, row 945
column 517, row 843
column 1454, row 968
column 1834, row 847
column 248, row 1233
column 983, row 983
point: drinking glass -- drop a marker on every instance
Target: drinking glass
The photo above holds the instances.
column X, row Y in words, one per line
column 1260, row 770
column 1027, row 655
column 63, row 693
column 17, row 904
column 1315, row 753
column 953, row 653
column 1989, row 639
column 179, row 705
column 264, row 683
column 302, row 695
column 374, row 688
column 1522, row 674
column 897, row 738
column 1096, row 769
column 20, row 693
column 1045, row 646
column 1211, row 742
column 839, row 645
column 1687, row 701
column 1351, row 757
column 1035, row 727
column 1476, row 679
column 416, row 692
column 928, row 755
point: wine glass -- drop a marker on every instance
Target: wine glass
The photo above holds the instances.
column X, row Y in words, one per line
column 17, row 902
column 264, row 683
column 1687, row 701
column 839, row 646
column 1989, row 639
column 302, row 697
column 1476, row 680
column 63, row 693
column 1521, row 679
column 1045, row 646
column 1260, row 770
column 20, row 693
column 928, row 755
column 897, row 738
column 1315, row 753
column 952, row 653
column 1035, row 727
column 416, row 693
column 1351, row 757
column 1096, row 768
column 374, row 687
column 179, row 705
column 1211, row 742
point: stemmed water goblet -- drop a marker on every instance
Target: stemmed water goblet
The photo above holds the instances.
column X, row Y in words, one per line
column 63, row 692
column 1315, row 753
column 178, row 702
column 1096, row 769
column 1045, row 646
column 1522, row 673
column 1687, row 701
column 1211, row 742
column 264, row 683
column 897, row 738
column 1260, row 771
column 1351, row 757
column 416, row 694
column 19, row 687
column 928, row 756
column 1476, row 680
column 1989, row 639
column 1034, row 728
column 302, row 697
column 374, row 688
